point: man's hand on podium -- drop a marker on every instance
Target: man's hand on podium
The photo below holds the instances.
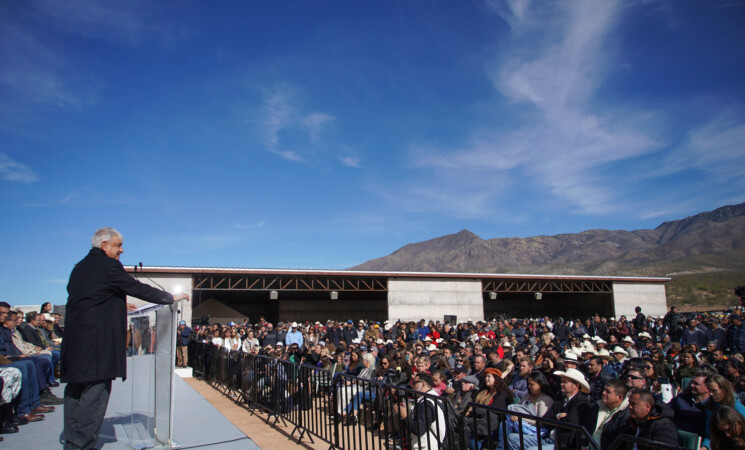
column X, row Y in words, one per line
column 181, row 296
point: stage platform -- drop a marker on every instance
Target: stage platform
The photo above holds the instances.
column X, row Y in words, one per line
column 196, row 423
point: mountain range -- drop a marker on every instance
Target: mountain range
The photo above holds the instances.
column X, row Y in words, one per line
column 706, row 242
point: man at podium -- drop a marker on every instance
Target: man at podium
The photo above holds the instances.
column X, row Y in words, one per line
column 94, row 348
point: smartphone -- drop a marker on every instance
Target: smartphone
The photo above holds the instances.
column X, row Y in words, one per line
column 663, row 380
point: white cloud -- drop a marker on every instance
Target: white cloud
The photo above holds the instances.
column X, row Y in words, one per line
column 130, row 22
column 350, row 161
column 243, row 226
column 288, row 129
column 40, row 71
column 716, row 146
column 11, row 170
column 38, row 74
column 563, row 137
column 316, row 124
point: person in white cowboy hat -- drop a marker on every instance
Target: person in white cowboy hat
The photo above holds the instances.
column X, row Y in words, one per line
column 628, row 345
column 571, row 360
column 575, row 407
column 586, row 346
column 619, row 358
column 294, row 336
column 607, row 359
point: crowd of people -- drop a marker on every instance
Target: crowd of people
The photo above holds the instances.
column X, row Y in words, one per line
column 657, row 378
column 29, row 356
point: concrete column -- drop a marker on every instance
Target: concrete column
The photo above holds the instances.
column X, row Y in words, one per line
column 432, row 299
column 649, row 296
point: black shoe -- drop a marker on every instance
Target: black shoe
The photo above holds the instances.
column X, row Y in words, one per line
column 8, row 428
column 20, row 420
column 48, row 398
column 55, row 384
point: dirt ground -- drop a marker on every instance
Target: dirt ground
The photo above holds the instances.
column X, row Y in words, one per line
column 254, row 424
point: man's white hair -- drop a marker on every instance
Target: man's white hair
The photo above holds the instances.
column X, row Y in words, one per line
column 104, row 234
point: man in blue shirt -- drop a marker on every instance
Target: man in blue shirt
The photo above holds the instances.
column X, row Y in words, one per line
column 423, row 330
column 182, row 344
column 294, row 336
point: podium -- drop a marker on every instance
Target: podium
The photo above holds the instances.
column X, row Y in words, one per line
column 151, row 357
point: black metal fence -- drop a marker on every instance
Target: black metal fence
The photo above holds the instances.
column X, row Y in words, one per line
column 354, row 413
column 626, row 442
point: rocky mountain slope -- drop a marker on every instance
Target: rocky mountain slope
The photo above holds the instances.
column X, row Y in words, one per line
column 709, row 241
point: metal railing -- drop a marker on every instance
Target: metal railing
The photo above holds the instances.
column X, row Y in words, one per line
column 626, row 441
column 355, row 413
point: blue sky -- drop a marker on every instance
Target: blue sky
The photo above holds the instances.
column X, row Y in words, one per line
column 322, row 134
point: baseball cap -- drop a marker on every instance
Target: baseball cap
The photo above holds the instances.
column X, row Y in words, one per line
column 470, row 379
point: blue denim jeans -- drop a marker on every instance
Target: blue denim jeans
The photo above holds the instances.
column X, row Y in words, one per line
column 361, row 396
column 529, row 441
column 29, row 396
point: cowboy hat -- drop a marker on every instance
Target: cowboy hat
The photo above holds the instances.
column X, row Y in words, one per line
column 575, row 375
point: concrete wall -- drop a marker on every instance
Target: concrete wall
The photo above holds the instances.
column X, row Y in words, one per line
column 434, row 298
column 650, row 296
column 171, row 283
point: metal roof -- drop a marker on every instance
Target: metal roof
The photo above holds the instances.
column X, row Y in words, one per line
column 390, row 274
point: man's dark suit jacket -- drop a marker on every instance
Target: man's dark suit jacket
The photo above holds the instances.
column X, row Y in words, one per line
column 94, row 347
column 579, row 412
column 31, row 335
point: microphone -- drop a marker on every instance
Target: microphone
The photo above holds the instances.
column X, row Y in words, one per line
column 151, row 280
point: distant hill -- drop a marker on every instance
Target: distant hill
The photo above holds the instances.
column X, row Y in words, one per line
column 707, row 242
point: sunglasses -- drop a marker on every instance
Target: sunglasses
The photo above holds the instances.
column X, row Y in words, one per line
column 634, row 377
